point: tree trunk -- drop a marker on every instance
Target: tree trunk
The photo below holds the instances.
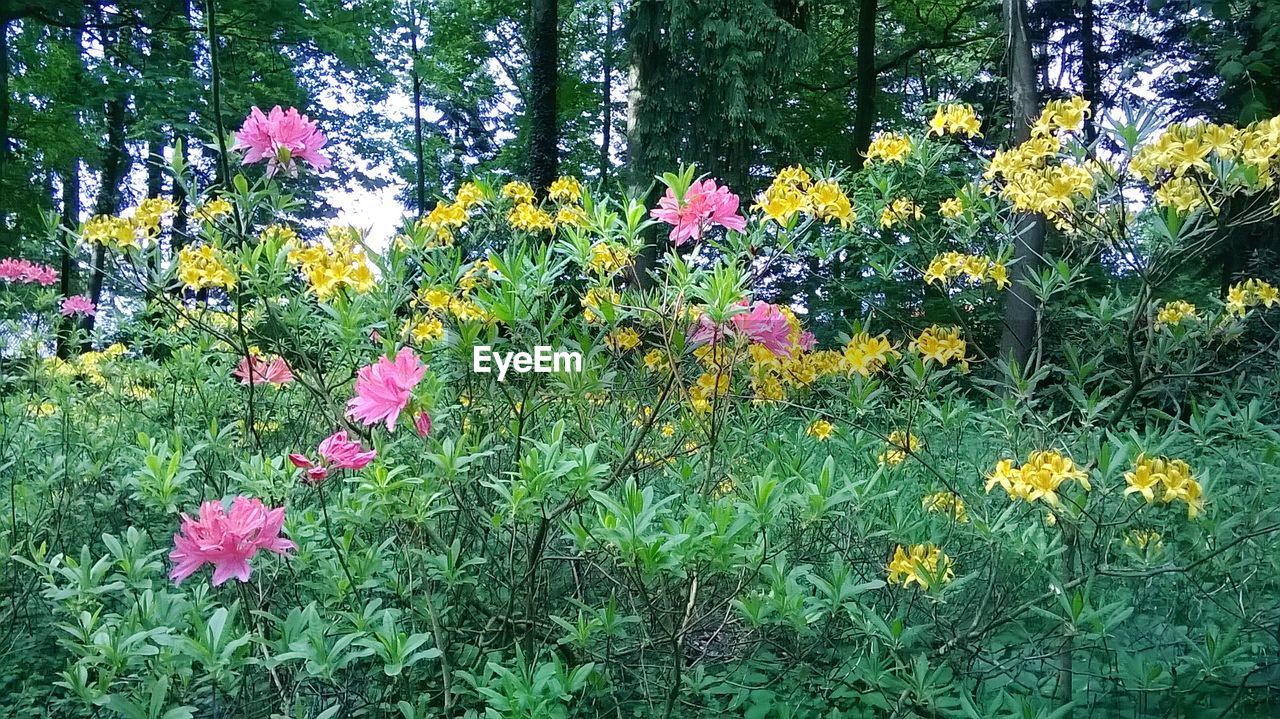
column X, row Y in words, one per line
column 544, row 77
column 1090, row 85
column 606, row 92
column 864, row 93
column 420, row 196
column 155, row 186
column 70, row 222
column 1020, row 308
column 4, row 121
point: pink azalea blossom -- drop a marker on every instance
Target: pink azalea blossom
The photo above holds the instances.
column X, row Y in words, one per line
column 336, row 452
column 384, row 388
column 705, row 206
column 764, row 323
column 227, row 540
column 422, row 424
column 807, row 341
column 281, row 137
column 256, row 369
column 78, row 305
column 25, row 271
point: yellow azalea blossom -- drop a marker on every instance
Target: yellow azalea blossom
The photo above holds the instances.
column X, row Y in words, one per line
column 828, row 202
column 1039, row 478
column 781, row 202
column 212, row 210
column 571, row 216
column 1144, row 539
column 955, row 119
column 565, row 189
column 1165, row 479
column 519, row 191
column 280, row 233
column 948, row 503
column 899, row 210
column 111, row 231
column 331, row 268
column 469, row 194
column 668, row 430
column 889, row 147
column 1175, row 313
column 656, row 360
column 148, row 214
column 443, row 219
column 867, row 355
column 942, row 346
column 425, row 330
column 951, row 207
column 1251, row 293
column 901, row 444
column 530, row 218
column 820, row 430
column 921, row 564
column 594, row 298
column 794, row 176
column 622, row 339
column 203, row 268
column 608, row 258
column 975, row 268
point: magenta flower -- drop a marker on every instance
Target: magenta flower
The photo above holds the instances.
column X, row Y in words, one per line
column 336, row 452
column 227, row 540
column 764, row 323
column 422, row 424
column 78, row 305
column 281, row 137
column 384, row 388
column 705, row 206
column 256, row 369
column 25, row 271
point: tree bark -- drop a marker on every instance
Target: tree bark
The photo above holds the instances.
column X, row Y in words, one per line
column 606, row 92
column 1090, row 85
column 115, row 166
column 645, row 157
column 420, row 196
column 4, row 121
column 544, row 77
column 864, row 93
column 1020, row 305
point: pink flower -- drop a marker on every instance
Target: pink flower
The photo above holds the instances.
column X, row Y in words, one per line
column 383, row 389
column 23, row 271
column 227, row 540
column 765, row 323
column 705, row 206
column 422, row 424
column 336, row 452
column 279, row 138
column 256, row 369
column 807, row 341
column 78, row 305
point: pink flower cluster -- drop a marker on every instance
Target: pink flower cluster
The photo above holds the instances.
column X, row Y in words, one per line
column 763, row 323
column 384, row 388
column 256, row 369
column 78, row 305
column 280, row 138
column 705, row 206
column 227, row 540
column 22, row 271
column 336, row 452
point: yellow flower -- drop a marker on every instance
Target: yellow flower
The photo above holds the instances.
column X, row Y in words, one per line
column 110, row 231
column 608, row 258
column 148, row 214
column 518, row 191
column 565, row 189
column 948, row 503
column 656, row 360
column 781, row 202
column 443, row 219
column 425, row 330
column 942, row 346
column 594, row 298
column 955, row 119
column 828, row 202
column 794, row 176
column 899, row 210
column 622, row 339
column 1144, row 538
column 283, row 234
column 468, row 195
column 975, row 268
column 1175, row 313
column 889, row 147
column 901, row 443
column 867, row 355
column 922, row 564
column 202, row 268
column 329, row 269
column 572, row 216
column 1039, row 478
column 1251, row 293
column 668, row 430
column 41, row 409
column 212, row 210
column 820, row 430
column 951, row 207
column 530, row 218
column 1172, row 476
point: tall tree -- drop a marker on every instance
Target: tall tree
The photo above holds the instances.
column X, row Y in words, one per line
column 864, row 97
column 544, row 79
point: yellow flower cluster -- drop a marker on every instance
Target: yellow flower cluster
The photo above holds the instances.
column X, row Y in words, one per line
column 329, row 268
column 518, row 191
column 528, row 217
column 212, row 210
column 594, row 298
column 1175, row 313
column 443, row 219
column 709, row 386
column 438, row 302
column 889, row 147
column 131, row 229
column 1039, row 478
column 572, row 216
column 622, row 339
column 975, row 268
column 942, row 345
column 1177, row 160
column 1062, row 116
column 203, row 267
column 565, row 189
column 89, row 365
column 608, row 257
column 656, row 360
column 820, row 429
column 923, row 564
column 283, row 234
column 956, row 119
column 1252, row 292
column 39, row 410
column 1172, row 478
column 901, row 209
column 1030, row 182
column 901, row 444
column 867, row 355
column 951, row 208
column 1144, row 538
column 948, row 503
column 794, row 190
column 424, row 329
